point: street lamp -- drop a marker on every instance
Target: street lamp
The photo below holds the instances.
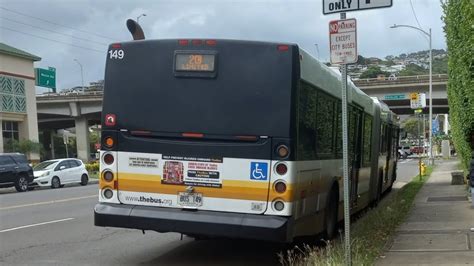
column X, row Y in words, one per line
column 142, row 15
column 82, row 74
column 431, row 86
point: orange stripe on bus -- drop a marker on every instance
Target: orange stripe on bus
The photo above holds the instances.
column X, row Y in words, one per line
column 231, row 189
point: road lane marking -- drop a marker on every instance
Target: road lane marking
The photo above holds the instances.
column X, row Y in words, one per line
column 31, row 225
column 47, row 202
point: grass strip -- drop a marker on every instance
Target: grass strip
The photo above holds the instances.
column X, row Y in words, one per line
column 369, row 234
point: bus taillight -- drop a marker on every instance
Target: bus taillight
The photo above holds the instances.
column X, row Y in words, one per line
column 109, row 142
column 281, row 168
column 283, row 151
column 108, row 159
column 280, row 187
column 196, row 42
column 108, row 176
column 193, row 135
column 183, row 42
column 283, row 48
column 211, row 42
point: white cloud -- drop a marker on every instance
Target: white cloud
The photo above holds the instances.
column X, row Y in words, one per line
column 300, row 22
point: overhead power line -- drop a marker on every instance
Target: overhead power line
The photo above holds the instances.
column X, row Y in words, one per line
column 52, row 40
column 414, row 14
column 53, row 31
column 57, row 24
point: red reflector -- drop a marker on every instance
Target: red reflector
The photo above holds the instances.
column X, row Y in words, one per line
column 197, row 42
column 281, row 169
column 183, row 42
column 109, row 159
column 283, row 48
column 110, row 120
column 116, row 45
column 115, row 184
column 211, row 42
column 250, row 138
column 193, row 135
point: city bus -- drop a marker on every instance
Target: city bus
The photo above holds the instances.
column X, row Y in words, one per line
column 235, row 139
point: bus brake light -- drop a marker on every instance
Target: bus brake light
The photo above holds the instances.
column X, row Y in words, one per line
column 283, row 48
column 183, row 42
column 193, row 135
column 197, row 42
column 211, row 42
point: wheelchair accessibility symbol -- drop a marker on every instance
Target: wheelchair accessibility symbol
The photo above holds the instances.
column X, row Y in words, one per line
column 258, row 171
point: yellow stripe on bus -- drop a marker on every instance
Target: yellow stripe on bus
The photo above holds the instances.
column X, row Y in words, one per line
column 231, row 189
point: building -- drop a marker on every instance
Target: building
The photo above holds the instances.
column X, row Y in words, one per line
column 17, row 97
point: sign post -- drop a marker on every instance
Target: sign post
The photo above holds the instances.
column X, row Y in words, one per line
column 343, row 47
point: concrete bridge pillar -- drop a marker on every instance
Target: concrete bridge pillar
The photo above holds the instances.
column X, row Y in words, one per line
column 82, row 139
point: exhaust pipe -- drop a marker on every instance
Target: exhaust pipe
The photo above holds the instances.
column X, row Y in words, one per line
column 135, row 30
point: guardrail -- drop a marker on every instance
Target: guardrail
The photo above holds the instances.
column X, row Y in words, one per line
column 69, row 96
column 400, row 80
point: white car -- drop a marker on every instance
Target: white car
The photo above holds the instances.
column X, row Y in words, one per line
column 56, row 173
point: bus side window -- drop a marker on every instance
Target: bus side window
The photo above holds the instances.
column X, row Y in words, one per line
column 367, row 144
column 307, row 108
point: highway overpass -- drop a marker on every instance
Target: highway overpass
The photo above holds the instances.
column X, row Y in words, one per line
column 81, row 110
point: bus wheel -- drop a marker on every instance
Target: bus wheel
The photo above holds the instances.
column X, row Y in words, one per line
column 331, row 212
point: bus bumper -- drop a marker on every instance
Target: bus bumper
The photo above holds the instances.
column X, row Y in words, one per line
column 192, row 222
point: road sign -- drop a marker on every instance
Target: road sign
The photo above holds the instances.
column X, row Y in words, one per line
column 417, row 100
column 337, row 6
column 46, row 78
column 435, row 126
column 414, row 96
column 343, row 41
column 395, row 97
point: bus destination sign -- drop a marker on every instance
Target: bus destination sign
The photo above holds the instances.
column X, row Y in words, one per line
column 194, row 62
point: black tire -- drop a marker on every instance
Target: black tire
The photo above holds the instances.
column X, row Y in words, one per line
column 330, row 214
column 31, row 188
column 21, row 184
column 55, row 182
column 84, row 180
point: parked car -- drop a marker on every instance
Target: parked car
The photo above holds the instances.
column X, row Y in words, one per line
column 15, row 171
column 402, row 154
column 56, row 173
column 407, row 150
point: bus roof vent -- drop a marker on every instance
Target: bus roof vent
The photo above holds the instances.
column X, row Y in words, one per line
column 135, row 30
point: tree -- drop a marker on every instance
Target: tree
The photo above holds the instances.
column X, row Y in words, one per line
column 372, row 72
column 411, row 126
column 413, row 70
column 458, row 18
column 24, row 146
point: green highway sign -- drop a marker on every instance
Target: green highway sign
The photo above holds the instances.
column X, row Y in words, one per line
column 395, row 97
column 46, row 78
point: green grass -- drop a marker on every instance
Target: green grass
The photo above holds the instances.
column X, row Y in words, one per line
column 369, row 234
column 94, row 175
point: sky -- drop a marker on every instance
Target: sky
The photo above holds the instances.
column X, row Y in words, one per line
column 60, row 31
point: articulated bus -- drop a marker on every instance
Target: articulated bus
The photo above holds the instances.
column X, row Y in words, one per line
column 238, row 139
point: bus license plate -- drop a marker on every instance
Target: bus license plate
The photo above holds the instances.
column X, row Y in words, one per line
column 190, row 199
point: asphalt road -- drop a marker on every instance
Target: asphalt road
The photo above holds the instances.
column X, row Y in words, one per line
column 56, row 227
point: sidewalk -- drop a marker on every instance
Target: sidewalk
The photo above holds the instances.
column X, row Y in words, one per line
column 437, row 230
